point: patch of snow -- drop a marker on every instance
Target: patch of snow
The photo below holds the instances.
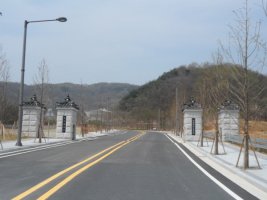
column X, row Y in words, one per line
column 29, row 142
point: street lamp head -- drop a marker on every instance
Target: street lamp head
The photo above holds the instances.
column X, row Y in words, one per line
column 62, row 19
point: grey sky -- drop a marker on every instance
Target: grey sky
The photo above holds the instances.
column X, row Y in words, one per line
column 131, row 41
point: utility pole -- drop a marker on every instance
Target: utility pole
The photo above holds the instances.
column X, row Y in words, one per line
column 108, row 115
column 176, row 113
column 159, row 120
column 83, row 124
column 101, row 118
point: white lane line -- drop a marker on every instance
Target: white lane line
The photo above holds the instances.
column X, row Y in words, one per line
column 226, row 189
column 35, row 149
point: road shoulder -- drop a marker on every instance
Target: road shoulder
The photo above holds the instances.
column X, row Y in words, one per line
column 237, row 176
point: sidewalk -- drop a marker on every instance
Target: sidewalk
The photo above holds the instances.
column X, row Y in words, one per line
column 253, row 180
column 33, row 142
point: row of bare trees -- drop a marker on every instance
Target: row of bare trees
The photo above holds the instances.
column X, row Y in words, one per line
column 246, row 50
column 4, row 78
column 264, row 6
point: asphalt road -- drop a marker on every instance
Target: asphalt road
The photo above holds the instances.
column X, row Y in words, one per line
column 149, row 167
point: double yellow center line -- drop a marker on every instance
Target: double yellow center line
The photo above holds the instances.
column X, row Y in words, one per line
column 54, row 189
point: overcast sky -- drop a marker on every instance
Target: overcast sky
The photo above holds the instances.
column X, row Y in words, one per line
column 132, row 41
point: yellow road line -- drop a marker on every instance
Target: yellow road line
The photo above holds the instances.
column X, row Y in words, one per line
column 73, row 175
column 48, row 180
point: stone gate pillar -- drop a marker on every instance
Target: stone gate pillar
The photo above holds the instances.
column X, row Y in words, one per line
column 66, row 118
column 192, row 122
column 31, row 117
column 228, row 119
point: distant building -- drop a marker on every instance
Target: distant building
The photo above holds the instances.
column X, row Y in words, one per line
column 97, row 115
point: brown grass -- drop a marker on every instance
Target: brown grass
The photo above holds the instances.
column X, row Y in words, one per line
column 9, row 134
column 209, row 126
column 257, row 129
column 9, row 137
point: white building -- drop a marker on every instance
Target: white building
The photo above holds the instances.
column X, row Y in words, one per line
column 192, row 123
column 31, row 117
column 97, row 115
column 66, row 118
column 228, row 119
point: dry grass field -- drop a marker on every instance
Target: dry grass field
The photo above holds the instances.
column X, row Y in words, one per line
column 7, row 134
column 257, row 129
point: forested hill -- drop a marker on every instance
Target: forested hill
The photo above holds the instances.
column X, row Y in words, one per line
column 158, row 96
column 146, row 100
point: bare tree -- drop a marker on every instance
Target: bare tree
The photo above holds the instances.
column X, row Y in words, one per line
column 4, row 78
column 264, row 6
column 220, row 91
column 247, row 51
column 41, row 89
column 203, row 92
column 82, row 110
column 213, row 89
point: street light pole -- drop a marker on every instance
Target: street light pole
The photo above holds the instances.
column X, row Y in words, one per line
column 21, row 91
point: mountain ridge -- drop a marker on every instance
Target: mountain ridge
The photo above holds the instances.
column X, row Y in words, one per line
column 92, row 96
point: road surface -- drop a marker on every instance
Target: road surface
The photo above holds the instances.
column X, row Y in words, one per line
column 125, row 166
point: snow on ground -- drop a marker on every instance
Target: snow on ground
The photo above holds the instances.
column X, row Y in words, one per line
column 253, row 179
column 29, row 142
column 99, row 134
column 92, row 135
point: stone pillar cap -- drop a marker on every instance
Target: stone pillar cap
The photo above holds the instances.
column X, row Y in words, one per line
column 68, row 103
column 191, row 105
column 33, row 102
column 229, row 105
